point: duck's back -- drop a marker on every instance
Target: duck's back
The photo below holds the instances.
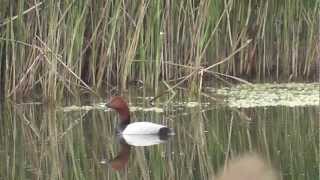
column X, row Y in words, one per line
column 142, row 128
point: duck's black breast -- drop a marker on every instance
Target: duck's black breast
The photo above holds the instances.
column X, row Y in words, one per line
column 121, row 127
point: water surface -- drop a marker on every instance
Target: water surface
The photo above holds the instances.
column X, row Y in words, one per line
column 76, row 140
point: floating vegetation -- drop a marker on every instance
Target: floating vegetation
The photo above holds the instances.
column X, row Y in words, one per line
column 257, row 95
column 102, row 106
column 290, row 94
column 189, row 104
column 192, row 104
column 153, row 109
column 134, row 108
column 83, row 108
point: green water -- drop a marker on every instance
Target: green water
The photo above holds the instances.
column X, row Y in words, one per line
column 40, row 141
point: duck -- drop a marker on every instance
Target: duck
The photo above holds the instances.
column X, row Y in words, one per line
column 126, row 128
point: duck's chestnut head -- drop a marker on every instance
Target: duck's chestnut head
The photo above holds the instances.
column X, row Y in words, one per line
column 120, row 105
column 117, row 103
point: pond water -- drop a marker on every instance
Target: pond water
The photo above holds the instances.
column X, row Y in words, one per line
column 77, row 140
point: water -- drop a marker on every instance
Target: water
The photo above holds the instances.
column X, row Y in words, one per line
column 76, row 142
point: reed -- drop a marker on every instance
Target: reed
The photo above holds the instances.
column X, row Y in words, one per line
column 55, row 47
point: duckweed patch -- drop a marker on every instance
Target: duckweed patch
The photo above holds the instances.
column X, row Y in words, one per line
column 259, row 95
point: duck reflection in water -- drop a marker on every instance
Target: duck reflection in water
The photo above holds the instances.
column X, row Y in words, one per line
column 121, row 160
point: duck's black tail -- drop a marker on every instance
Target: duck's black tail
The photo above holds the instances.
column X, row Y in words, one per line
column 165, row 132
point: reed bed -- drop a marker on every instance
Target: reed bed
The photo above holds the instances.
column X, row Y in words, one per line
column 55, row 48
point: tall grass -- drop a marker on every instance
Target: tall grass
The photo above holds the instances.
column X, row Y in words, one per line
column 56, row 47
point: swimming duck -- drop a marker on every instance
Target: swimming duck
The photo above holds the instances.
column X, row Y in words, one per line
column 136, row 128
